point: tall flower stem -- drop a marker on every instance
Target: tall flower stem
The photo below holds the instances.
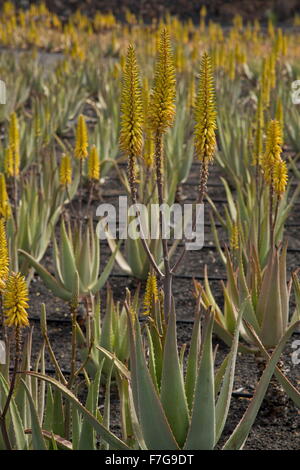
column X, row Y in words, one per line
column 271, row 193
column 15, row 183
column 133, row 193
column 80, row 190
column 11, row 389
column 159, row 162
column 201, row 195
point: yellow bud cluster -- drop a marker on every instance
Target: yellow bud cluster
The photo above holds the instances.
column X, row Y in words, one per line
column 15, row 301
column 94, row 164
column 65, row 170
column 14, row 143
column 81, row 146
column 151, row 294
column 274, row 168
column 4, row 258
column 131, row 136
column 280, row 177
column 9, row 161
column 259, row 127
column 273, row 149
column 162, row 109
column 5, row 210
column 234, row 239
column 205, row 113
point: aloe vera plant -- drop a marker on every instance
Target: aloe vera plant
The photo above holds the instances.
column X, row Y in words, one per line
column 78, row 251
column 252, row 221
column 266, row 293
column 37, row 215
column 37, row 418
column 176, row 410
column 109, row 331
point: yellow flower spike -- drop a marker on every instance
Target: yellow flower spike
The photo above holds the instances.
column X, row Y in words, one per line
column 259, row 127
column 9, row 161
column 191, row 93
column 81, row 146
column 271, row 30
column 65, row 170
column 162, row 108
column 231, row 66
column 205, row 113
column 4, row 258
column 148, row 154
column 15, row 299
column 145, row 93
column 5, row 210
column 131, row 136
column 94, row 164
column 279, row 113
column 148, row 151
column 273, row 149
column 272, row 70
column 234, row 239
column 280, row 177
column 151, row 294
column 14, row 143
column 265, row 83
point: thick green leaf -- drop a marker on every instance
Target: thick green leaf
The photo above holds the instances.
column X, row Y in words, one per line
column 106, row 272
column 240, row 434
column 48, row 279
column 156, row 430
column 289, row 388
column 172, row 392
column 192, row 362
column 14, row 414
column 223, row 402
column 202, row 432
column 109, row 437
column 38, row 442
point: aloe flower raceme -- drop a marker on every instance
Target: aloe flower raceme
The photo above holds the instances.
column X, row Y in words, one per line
column 78, row 251
column 162, row 101
column 151, row 294
column 259, row 127
column 94, row 164
column 131, row 140
column 65, row 170
column 273, row 150
column 81, row 145
column 205, row 122
column 5, row 209
column 205, row 113
column 131, row 136
column 9, row 161
column 280, row 177
column 15, row 301
column 15, row 305
column 14, row 143
column 4, row 258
